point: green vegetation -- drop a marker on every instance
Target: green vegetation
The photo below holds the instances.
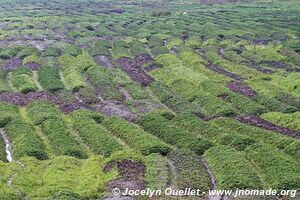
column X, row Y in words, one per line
column 3, row 84
column 61, row 140
column 101, row 79
column 158, row 173
column 172, row 100
column 135, row 137
column 100, row 47
column 231, row 168
column 96, row 95
column 31, row 58
column 25, row 141
column 2, row 151
column 41, row 111
column 190, row 172
column 72, row 69
column 87, row 94
column 215, row 134
column 8, row 113
column 6, row 169
column 258, row 134
column 8, row 52
column 84, row 177
column 291, row 121
column 159, row 126
column 49, row 78
column 281, row 171
column 98, row 139
column 22, row 80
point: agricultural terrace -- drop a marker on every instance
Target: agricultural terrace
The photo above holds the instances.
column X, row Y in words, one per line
column 102, row 94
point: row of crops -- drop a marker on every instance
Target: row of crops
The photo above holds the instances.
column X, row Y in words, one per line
column 41, row 131
column 238, row 89
column 97, row 95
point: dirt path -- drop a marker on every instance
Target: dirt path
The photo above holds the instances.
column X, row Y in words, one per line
column 9, row 156
column 8, row 150
column 125, row 93
column 11, row 179
column 131, row 176
column 172, row 183
column 213, row 181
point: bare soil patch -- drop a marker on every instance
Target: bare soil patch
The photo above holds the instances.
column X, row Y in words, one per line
column 219, row 70
column 33, row 65
column 12, row 64
column 241, row 88
column 115, row 108
column 19, row 99
column 134, row 70
column 261, row 123
column 131, row 175
column 143, row 59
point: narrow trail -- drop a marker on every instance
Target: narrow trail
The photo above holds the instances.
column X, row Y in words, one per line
column 7, row 146
column 11, row 179
column 172, row 183
column 78, row 97
column 99, row 97
column 9, row 156
column 213, row 181
column 125, row 93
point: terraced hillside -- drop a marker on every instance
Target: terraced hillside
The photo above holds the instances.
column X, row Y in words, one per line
column 97, row 95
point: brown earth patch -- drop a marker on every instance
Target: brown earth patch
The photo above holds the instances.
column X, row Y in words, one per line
column 12, row 64
column 131, row 175
column 115, row 108
column 241, row 88
column 261, row 123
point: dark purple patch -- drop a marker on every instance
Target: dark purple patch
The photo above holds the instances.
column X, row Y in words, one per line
column 131, row 175
column 134, row 71
column 261, row 123
column 12, row 64
column 219, row 70
column 70, row 107
column 33, row 65
column 19, row 99
column 241, row 88
column 143, row 59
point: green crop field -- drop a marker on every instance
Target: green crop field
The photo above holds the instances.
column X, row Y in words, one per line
column 101, row 97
